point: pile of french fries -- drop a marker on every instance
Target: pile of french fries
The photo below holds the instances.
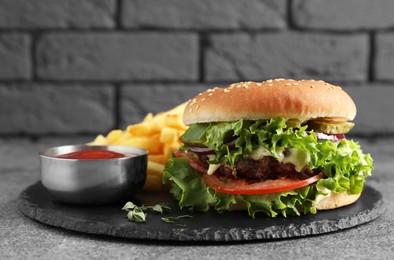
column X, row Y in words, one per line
column 159, row 134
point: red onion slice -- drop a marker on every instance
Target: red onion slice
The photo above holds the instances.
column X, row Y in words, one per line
column 201, row 150
column 206, row 150
column 231, row 145
column 333, row 137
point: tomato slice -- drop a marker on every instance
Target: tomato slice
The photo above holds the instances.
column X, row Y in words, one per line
column 241, row 186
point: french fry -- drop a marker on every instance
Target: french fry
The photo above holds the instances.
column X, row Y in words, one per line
column 148, row 118
column 155, row 146
column 175, row 121
column 155, row 168
column 168, row 149
column 113, row 136
column 155, row 183
column 158, row 122
column 100, row 140
column 138, row 141
column 159, row 134
column 158, row 158
column 142, row 129
column 168, row 135
column 123, row 139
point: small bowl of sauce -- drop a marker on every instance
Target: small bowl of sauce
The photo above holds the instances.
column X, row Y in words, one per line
column 92, row 155
column 93, row 175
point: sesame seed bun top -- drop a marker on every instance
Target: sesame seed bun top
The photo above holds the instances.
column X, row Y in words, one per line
column 287, row 98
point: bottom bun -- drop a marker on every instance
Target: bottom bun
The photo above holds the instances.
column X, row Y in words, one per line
column 331, row 201
column 336, row 200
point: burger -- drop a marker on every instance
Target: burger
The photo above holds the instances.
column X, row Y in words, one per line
column 276, row 147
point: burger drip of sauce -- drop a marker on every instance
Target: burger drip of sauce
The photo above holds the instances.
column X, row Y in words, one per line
column 92, row 155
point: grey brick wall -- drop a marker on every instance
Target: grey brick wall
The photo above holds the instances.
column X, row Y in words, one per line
column 48, row 108
column 14, row 56
column 118, row 56
column 48, row 14
column 238, row 56
column 343, row 14
column 88, row 66
column 204, row 14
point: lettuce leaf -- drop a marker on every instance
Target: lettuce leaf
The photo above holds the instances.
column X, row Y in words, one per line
column 192, row 193
column 187, row 186
column 343, row 163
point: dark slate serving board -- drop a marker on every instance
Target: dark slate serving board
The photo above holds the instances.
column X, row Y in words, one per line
column 36, row 203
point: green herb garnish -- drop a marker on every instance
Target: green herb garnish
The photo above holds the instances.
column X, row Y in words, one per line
column 174, row 219
column 137, row 213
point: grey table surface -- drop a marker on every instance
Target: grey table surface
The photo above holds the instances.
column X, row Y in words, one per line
column 23, row 238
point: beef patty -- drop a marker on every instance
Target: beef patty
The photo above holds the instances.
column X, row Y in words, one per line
column 268, row 168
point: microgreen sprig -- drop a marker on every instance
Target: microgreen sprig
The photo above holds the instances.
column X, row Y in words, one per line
column 138, row 214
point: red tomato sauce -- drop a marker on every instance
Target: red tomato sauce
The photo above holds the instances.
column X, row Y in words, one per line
column 92, row 155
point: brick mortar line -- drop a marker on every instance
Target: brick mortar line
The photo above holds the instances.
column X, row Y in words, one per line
column 201, row 55
column 121, row 29
column 99, row 82
column 64, row 83
column 289, row 15
column 117, row 113
column 33, row 51
column 37, row 137
column 118, row 14
column 371, row 57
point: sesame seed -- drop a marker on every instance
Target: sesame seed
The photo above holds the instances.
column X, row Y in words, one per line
column 209, row 90
column 332, row 88
column 288, row 84
column 210, row 94
column 191, row 110
column 197, row 107
column 203, row 99
column 200, row 94
column 258, row 84
column 270, row 85
column 269, row 81
column 226, row 90
column 312, row 86
column 295, row 84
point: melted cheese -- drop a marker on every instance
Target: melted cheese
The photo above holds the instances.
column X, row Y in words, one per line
column 298, row 158
column 212, row 168
column 259, row 153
